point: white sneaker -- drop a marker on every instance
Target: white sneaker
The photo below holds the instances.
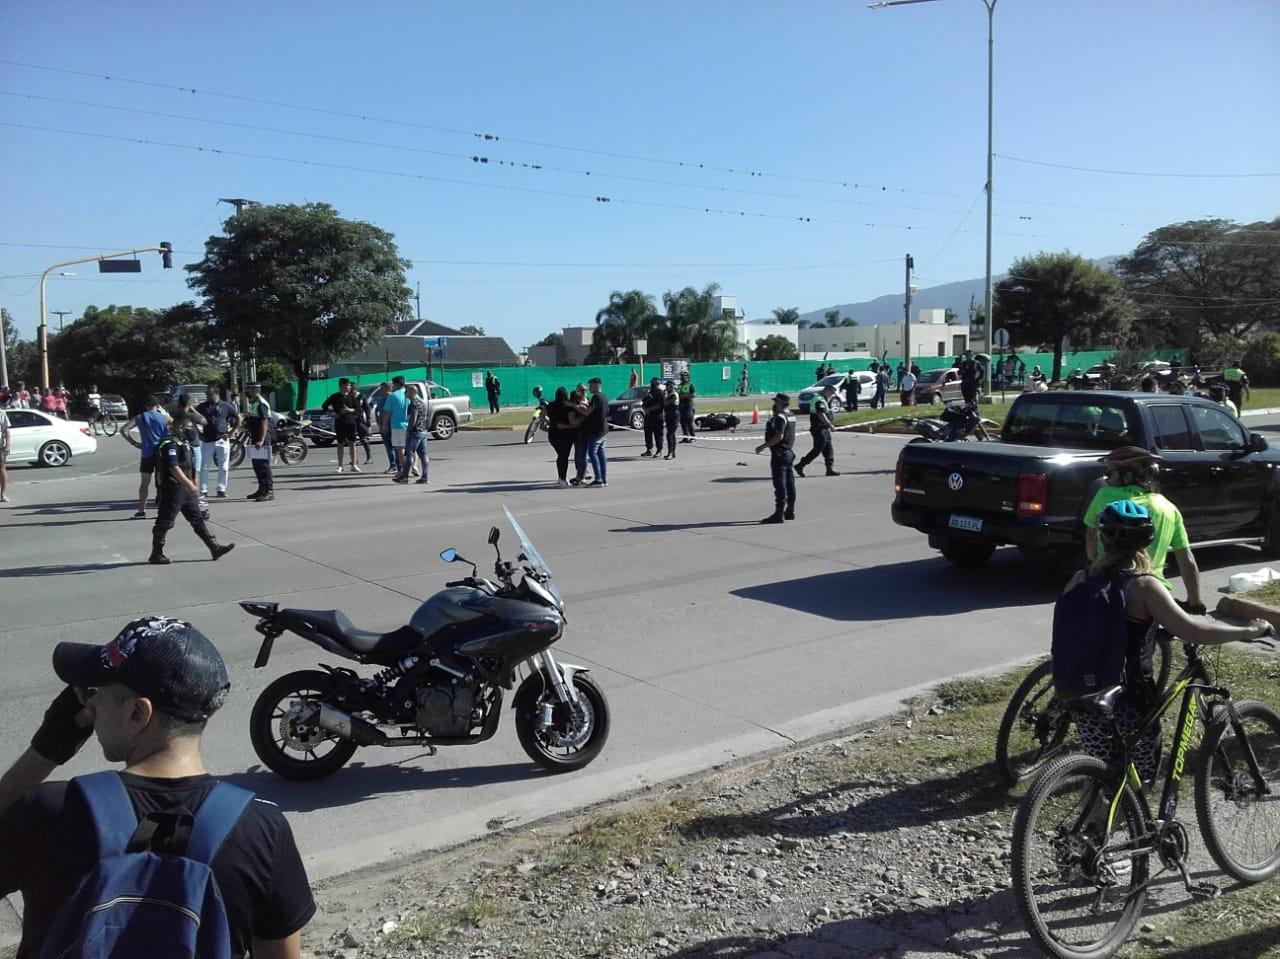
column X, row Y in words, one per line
column 563, row 484
column 339, row 469
column 354, row 468
column 4, row 497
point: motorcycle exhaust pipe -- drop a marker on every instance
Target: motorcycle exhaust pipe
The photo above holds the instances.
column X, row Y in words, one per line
column 345, row 726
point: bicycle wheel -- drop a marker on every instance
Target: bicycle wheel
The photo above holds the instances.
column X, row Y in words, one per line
column 1079, row 901
column 1035, row 730
column 1162, row 660
column 110, row 425
column 1241, row 826
column 237, row 454
column 529, row 431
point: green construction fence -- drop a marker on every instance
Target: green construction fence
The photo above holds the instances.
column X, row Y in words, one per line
column 710, row 379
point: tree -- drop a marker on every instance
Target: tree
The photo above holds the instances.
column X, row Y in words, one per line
column 775, row 347
column 696, row 325
column 1049, row 297
column 1262, row 360
column 10, row 329
column 551, row 339
column 628, row 317
column 1205, row 277
column 951, row 317
column 132, row 350
column 301, row 283
column 787, row 316
column 471, row 330
column 832, row 317
column 21, row 356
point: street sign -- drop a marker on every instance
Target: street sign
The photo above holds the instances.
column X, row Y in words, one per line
column 435, row 342
column 119, row 266
column 1001, row 338
column 640, row 347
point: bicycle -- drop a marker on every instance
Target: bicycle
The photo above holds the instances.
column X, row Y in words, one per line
column 1084, row 838
column 1036, row 726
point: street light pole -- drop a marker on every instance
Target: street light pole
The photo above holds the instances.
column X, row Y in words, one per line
column 240, row 203
column 990, row 188
column 60, row 314
column 42, row 334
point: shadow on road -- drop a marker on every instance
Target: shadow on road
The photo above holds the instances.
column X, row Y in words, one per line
column 357, row 782
column 499, row 487
column 64, row 570
column 676, row 527
column 742, row 479
column 914, row 589
column 76, row 509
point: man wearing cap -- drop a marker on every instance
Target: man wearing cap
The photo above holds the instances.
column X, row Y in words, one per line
column 257, row 423
column 1237, row 382
column 177, row 492
column 687, row 393
column 820, row 426
column 147, row 695
column 652, row 405
column 779, row 438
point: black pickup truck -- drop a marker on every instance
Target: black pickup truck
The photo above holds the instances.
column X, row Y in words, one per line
column 1031, row 488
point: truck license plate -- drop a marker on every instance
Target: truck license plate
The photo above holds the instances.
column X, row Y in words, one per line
column 970, row 524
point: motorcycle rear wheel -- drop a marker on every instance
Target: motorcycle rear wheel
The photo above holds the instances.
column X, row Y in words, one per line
column 293, row 452
column 572, row 742
column 281, row 745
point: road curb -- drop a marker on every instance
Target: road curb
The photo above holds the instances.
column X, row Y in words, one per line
column 571, row 796
column 486, row 429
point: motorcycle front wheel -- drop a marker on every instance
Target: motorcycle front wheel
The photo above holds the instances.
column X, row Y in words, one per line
column 577, row 732
column 293, row 452
column 287, row 747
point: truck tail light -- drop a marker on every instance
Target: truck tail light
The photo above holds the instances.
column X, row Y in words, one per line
column 1033, row 491
column 898, row 477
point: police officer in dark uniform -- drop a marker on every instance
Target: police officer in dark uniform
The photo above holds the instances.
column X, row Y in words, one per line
column 970, row 378
column 177, row 492
column 820, row 426
column 257, row 423
column 653, row 401
column 779, row 438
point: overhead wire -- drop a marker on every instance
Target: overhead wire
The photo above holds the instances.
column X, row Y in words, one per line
column 1085, row 169
column 845, row 183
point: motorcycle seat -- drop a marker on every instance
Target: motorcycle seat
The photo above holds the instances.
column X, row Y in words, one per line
column 335, row 624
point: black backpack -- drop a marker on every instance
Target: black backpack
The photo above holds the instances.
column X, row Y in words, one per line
column 1090, row 637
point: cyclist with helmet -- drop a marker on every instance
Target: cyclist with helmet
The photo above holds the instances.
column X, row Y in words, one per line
column 1132, row 475
column 1126, row 532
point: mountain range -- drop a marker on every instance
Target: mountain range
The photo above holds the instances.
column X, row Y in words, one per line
column 886, row 310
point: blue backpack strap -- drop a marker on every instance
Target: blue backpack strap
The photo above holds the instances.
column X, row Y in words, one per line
column 215, row 818
column 110, row 809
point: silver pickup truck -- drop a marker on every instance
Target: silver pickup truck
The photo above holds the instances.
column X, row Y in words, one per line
column 446, row 410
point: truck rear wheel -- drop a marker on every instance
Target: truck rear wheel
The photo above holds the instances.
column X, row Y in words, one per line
column 967, row 555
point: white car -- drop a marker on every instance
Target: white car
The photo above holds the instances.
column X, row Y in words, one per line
column 866, row 389
column 44, row 440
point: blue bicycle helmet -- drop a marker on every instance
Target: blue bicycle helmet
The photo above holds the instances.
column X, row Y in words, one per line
column 1126, row 525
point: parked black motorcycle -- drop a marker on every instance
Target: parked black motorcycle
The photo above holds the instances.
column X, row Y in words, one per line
column 442, row 676
column 957, row 423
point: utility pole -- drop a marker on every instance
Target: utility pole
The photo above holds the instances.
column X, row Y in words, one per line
column 240, row 203
column 906, row 311
column 4, row 361
column 418, row 298
column 60, row 314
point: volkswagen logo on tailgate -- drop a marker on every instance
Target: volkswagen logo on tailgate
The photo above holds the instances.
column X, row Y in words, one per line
column 955, row 481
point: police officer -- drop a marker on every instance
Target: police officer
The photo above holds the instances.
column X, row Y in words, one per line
column 177, row 492
column 779, row 438
column 970, row 378
column 686, row 393
column 257, row 423
column 653, row 401
column 1237, row 383
column 820, row 426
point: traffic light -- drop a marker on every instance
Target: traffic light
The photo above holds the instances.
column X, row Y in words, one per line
column 166, row 255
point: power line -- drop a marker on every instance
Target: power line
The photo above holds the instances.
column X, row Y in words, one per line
column 1085, row 169
column 846, row 183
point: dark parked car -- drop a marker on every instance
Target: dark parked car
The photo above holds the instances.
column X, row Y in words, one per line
column 938, row 386
column 1031, row 489
column 628, row 408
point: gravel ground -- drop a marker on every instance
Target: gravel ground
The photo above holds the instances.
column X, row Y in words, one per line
column 891, row 841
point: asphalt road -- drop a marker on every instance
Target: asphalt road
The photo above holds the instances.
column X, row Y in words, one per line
column 712, row 635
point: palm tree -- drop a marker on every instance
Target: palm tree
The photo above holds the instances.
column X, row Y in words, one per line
column 629, row 317
column 832, row 317
column 787, row 315
column 696, row 325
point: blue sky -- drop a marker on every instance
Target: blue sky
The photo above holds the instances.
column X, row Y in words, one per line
column 809, row 94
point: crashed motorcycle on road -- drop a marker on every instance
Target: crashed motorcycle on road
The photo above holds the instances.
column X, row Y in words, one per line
column 957, row 423
column 440, row 679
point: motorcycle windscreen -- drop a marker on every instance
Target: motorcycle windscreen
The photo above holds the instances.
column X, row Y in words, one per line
column 526, row 545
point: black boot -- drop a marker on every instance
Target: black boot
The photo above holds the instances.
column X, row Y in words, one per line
column 774, row 517
column 832, row 472
column 800, row 470
column 790, row 512
column 157, row 550
column 216, row 550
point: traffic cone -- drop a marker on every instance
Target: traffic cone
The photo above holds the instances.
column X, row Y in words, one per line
column 755, row 415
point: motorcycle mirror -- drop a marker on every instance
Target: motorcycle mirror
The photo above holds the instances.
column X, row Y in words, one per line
column 494, row 533
column 449, row 555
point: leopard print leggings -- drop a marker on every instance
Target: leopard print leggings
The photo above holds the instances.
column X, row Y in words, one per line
column 1098, row 738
